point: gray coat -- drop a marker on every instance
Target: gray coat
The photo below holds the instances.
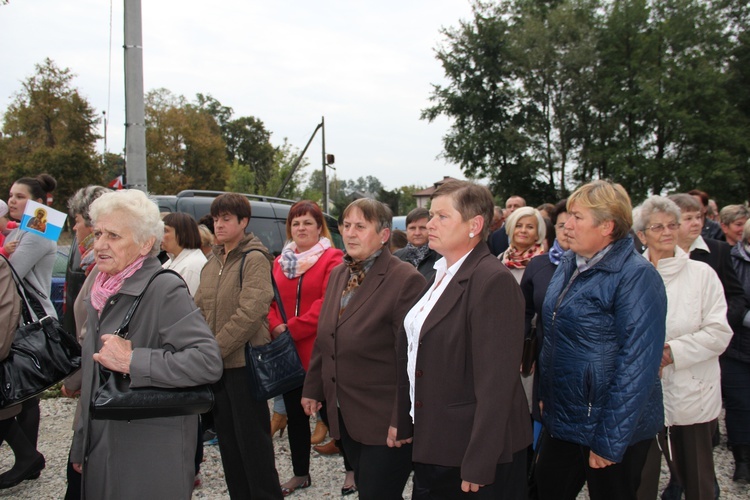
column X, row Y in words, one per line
column 173, row 347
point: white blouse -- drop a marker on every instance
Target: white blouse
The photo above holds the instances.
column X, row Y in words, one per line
column 188, row 265
column 416, row 317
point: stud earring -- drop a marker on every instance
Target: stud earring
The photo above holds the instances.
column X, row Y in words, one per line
column 471, row 235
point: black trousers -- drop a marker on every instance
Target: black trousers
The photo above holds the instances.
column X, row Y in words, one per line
column 298, row 432
column 243, row 426
column 435, row 482
column 380, row 472
column 323, row 413
column 563, row 467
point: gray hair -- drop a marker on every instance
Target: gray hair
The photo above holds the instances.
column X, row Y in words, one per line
column 687, row 202
column 541, row 227
column 79, row 203
column 140, row 214
column 731, row 213
column 373, row 211
column 653, row 204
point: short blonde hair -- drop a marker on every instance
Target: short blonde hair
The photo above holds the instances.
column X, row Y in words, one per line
column 520, row 213
column 607, row 201
column 139, row 213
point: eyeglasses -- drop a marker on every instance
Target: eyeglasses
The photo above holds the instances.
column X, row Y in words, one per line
column 659, row 228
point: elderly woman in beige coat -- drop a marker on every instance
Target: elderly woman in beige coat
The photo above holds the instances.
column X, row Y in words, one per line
column 169, row 345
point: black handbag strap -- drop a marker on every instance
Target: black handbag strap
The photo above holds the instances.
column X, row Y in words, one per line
column 122, row 331
column 276, row 295
column 29, row 303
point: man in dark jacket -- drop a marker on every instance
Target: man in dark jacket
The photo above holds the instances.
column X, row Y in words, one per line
column 417, row 252
column 604, row 321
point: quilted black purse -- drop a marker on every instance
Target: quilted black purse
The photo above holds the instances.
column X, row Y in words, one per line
column 41, row 355
column 116, row 400
column 274, row 368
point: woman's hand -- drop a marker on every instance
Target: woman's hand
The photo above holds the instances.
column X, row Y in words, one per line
column 10, row 246
column 597, row 462
column 68, row 393
column 77, row 467
column 115, row 353
column 278, row 330
column 470, row 487
column 391, row 440
column 311, row 406
column 666, row 358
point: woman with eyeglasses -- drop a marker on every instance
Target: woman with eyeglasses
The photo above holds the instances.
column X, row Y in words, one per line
column 697, row 333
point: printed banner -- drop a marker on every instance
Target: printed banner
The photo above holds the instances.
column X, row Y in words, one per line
column 43, row 220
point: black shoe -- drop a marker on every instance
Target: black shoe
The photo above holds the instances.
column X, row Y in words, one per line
column 14, row 476
column 741, row 463
column 673, row 491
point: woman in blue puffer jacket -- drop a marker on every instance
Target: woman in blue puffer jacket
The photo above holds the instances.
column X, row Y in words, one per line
column 604, row 321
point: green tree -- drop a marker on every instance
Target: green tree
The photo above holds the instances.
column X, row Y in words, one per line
column 482, row 99
column 50, row 127
column 547, row 94
column 184, row 147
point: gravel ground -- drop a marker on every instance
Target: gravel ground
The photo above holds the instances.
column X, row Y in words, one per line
column 327, row 472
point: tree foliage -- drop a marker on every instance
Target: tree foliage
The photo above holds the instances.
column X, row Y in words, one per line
column 545, row 95
column 184, row 147
column 50, row 127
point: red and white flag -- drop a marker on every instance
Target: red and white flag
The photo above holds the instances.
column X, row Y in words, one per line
column 116, row 183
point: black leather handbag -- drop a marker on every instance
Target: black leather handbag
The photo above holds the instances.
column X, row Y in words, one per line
column 528, row 358
column 41, row 355
column 114, row 399
column 275, row 368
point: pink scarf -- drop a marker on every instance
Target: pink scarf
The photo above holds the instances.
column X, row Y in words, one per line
column 514, row 259
column 295, row 264
column 105, row 286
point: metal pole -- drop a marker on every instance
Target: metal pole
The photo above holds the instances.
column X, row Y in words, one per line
column 296, row 162
column 135, row 121
column 325, row 175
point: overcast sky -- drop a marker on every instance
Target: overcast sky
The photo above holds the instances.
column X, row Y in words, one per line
column 367, row 66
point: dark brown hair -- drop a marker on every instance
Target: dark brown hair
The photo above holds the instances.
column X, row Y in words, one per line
column 232, row 204
column 185, row 229
column 39, row 186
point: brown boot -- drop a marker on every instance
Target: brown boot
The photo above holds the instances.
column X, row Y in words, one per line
column 319, row 434
column 278, row 423
column 329, row 448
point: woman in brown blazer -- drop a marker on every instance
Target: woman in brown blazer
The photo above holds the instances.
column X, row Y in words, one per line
column 353, row 365
column 460, row 398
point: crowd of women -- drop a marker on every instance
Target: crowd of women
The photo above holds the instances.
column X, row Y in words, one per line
column 412, row 359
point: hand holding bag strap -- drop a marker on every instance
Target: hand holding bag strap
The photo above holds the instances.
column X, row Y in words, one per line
column 122, row 330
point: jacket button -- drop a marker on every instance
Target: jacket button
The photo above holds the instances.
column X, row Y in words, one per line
column 417, row 404
column 333, row 379
column 418, row 373
column 333, row 357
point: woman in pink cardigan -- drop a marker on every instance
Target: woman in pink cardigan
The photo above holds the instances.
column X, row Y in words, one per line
column 301, row 273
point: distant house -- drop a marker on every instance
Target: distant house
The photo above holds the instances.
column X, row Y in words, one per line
column 423, row 196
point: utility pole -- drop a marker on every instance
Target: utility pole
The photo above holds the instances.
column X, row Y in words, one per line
column 325, row 175
column 135, row 114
